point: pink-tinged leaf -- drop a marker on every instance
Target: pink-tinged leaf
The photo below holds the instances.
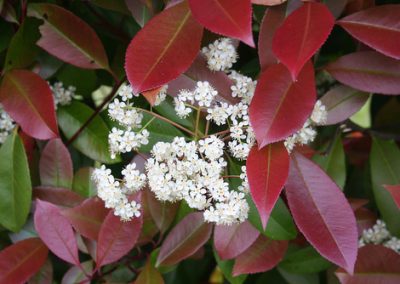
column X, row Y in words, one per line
column 58, row 196
column 300, row 36
column 280, row 106
column 69, row 38
column 377, row 27
column 230, row 241
column 22, row 260
column 273, row 18
column 267, row 171
column 27, row 98
column 163, row 49
column 368, row 71
column 342, row 102
column 87, row 217
column 395, row 192
column 149, row 227
column 116, row 238
column 268, row 2
column 55, row 165
column 264, row 254
column 184, row 239
column 354, row 6
column 322, row 212
column 375, row 264
column 230, row 18
column 56, row 232
column 77, row 274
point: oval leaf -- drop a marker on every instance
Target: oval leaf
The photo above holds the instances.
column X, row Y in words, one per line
column 322, row 212
column 56, row 232
column 230, row 241
column 262, row 255
column 69, row 38
column 377, row 27
column 15, row 183
column 395, row 192
column 27, row 98
column 280, row 106
column 230, row 18
column 55, row 165
column 368, row 71
column 163, row 49
column 301, row 35
column 184, row 239
column 267, row 171
column 22, row 260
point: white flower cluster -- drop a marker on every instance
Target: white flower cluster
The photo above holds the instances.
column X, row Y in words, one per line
column 192, row 172
column 308, row 133
column 244, row 87
column 131, row 136
column 115, row 193
column 62, row 96
column 379, row 235
column 221, row 54
column 7, row 125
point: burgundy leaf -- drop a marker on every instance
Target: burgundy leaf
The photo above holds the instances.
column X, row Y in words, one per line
column 56, row 232
column 377, row 27
column 184, row 239
column 27, row 98
column 230, row 18
column 365, row 219
column 322, row 212
column 301, row 35
column 87, row 217
column 368, row 71
column 230, row 241
column 280, row 106
column 57, row 195
column 163, row 49
column 264, row 254
column 395, row 192
column 267, row 171
column 55, row 165
column 22, row 260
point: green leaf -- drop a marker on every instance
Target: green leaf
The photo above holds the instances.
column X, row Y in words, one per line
column 85, row 81
column 15, row 184
column 5, row 35
column 149, row 275
column 83, row 183
column 167, row 110
column 299, row 278
column 385, row 169
column 93, row 140
column 226, row 267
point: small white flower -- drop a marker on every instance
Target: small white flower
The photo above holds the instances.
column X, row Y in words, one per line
column 204, row 94
column 161, row 96
column 221, row 54
column 62, row 96
column 319, row 114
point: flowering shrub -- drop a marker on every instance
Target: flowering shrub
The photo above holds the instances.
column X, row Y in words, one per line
column 199, row 141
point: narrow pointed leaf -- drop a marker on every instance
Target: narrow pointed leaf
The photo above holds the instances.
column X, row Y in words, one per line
column 267, row 171
column 395, row 192
column 55, row 165
column 280, row 106
column 27, row 98
column 301, row 35
column 68, row 37
column 377, row 27
column 163, row 49
column 322, row 212
column 22, row 260
column 367, row 71
column 56, row 232
column 230, row 18
column 184, row 239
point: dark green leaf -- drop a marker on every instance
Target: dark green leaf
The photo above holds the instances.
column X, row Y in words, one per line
column 226, row 267
column 82, row 79
column 83, row 183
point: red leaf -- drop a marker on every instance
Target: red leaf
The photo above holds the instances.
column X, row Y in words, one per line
column 184, row 239
column 22, row 260
column 151, row 95
column 395, row 192
column 273, row 18
column 163, row 49
column 55, row 165
column 87, row 217
column 27, row 98
column 280, row 106
column 368, row 71
column 262, row 255
column 377, row 27
column 301, row 35
column 268, row 2
column 69, row 38
column 116, row 238
column 56, row 232
column 230, row 241
column 57, row 196
column 267, row 171
column 375, row 264
column 322, row 212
